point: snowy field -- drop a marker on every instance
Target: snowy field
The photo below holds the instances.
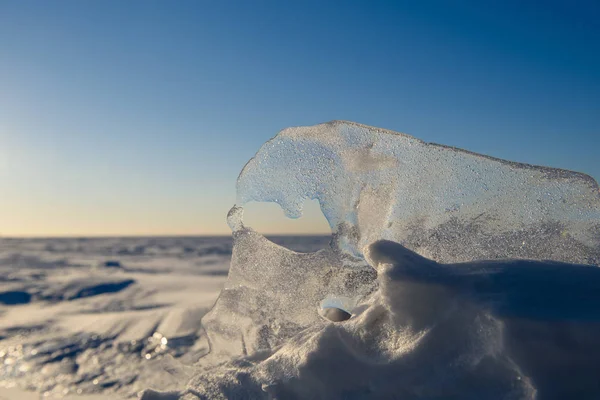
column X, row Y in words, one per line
column 94, row 316
column 448, row 275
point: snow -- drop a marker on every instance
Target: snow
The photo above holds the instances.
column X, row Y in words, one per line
column 86, row 329
column 71, row 325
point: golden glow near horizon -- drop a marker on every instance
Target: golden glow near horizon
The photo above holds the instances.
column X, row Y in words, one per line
column 32, row 218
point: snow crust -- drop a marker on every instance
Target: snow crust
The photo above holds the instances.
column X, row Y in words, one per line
column 465, row 276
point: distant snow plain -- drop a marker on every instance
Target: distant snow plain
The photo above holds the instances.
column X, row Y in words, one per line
column 90, row 318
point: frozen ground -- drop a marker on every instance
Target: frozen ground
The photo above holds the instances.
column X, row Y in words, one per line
column 95, row 316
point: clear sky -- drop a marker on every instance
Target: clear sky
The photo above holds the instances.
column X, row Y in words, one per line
column 135, row 117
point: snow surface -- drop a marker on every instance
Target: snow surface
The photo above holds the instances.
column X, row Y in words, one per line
column 464, row 276
column 99, row 318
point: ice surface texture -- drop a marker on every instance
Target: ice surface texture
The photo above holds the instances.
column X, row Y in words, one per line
column 410, row 222
column 445, row 203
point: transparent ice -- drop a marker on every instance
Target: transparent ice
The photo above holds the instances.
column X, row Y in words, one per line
column 467, row 277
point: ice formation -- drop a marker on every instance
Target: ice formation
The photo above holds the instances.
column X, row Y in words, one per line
column 411, row 222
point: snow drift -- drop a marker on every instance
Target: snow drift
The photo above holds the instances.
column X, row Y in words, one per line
column 411, row 224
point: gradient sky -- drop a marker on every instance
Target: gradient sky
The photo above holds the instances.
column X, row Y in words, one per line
column 135, row 117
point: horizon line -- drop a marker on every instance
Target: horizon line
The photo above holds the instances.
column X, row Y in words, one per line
column 126, row 236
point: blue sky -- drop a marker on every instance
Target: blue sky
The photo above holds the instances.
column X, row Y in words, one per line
column 135, row 117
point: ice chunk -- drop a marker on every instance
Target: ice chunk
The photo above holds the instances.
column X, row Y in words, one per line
column 273, row 293
column 448, row 204
column 410, row 222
